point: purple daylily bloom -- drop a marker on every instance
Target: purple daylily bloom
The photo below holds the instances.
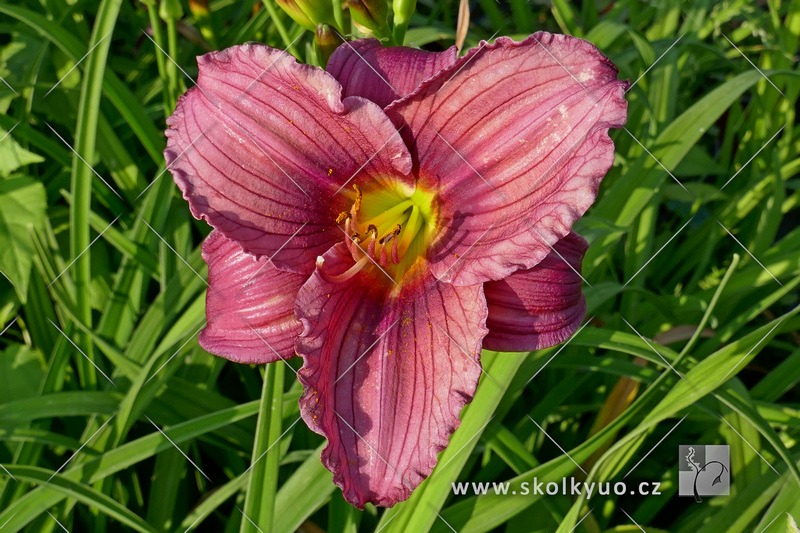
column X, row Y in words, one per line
column 387, row 219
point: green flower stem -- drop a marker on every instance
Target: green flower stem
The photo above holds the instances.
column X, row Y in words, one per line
column 81, row 179
column 259, row 505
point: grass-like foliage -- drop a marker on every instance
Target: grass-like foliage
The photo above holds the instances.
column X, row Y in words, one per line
column 112, row 418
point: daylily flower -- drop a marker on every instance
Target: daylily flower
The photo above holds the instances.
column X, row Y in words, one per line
column 389, row 218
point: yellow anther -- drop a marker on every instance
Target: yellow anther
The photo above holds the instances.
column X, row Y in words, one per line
column 344, row 215
column 357, row 204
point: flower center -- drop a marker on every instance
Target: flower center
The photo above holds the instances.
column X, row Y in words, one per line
column 388, row 227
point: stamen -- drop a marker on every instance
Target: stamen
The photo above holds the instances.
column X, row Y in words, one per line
column 357, row 204
column 347, row 274
column 372, row 240
column 344, row 215
column 347, row 228
column 395, row 255
column 395, row 232
column 383, row 261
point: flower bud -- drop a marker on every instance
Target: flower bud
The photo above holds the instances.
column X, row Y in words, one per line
column 403, row 9
column 327, row 41
column 170, row 10
column 308, row 13
column 199, row 8
column 371, row 17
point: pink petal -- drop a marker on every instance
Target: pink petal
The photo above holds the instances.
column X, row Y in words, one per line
column 263, row 144
column 366, row 68
column 386, row 374
column 514, row 136
column 539, row 307
column 249, row 305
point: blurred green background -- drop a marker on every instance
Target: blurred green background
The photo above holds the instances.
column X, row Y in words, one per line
column 112, row 418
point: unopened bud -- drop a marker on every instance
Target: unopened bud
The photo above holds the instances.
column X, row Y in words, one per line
column 403, row 9
column 170, row 10
column 199, row 8
column 308, row 13
column 327, row 41
column 371, row 17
